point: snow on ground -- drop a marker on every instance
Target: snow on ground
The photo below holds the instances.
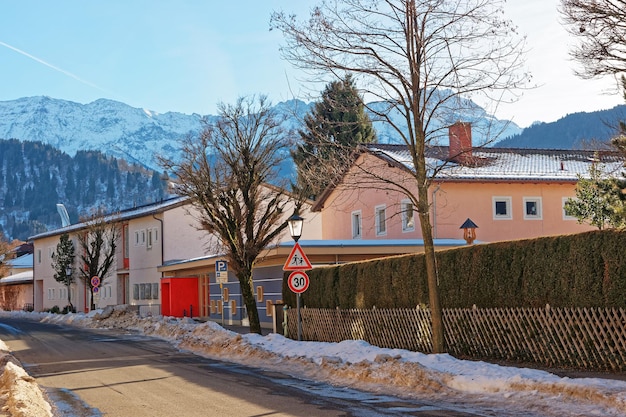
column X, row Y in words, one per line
column 492, row 388
column 20, row 396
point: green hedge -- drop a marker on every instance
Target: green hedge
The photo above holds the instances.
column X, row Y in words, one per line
column 582, row 270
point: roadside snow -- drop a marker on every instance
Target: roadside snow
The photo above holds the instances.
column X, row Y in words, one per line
column 357, row 364
column 20, row 396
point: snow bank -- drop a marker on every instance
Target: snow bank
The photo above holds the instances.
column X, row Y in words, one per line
column 20, row 396
column 357, row 364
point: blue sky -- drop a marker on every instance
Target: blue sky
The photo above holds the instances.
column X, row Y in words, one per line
column 188, row 55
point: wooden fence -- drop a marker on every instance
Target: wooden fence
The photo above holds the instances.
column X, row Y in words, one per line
column 582, row 338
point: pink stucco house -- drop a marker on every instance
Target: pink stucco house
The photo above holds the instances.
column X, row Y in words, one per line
column 508, row 193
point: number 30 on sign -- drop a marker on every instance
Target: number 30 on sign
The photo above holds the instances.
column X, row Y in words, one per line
column 298, row 281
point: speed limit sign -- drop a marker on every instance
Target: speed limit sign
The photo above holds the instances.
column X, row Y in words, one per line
column 298, row 281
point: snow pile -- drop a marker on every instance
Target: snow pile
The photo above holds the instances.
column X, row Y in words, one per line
column 359, row 365
column 20, row 396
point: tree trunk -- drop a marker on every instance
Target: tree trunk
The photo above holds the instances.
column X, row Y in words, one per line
column 93, row 304
column 245, row 282
column 431, row 271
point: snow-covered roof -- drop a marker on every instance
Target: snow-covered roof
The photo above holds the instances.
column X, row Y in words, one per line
column 24, row 261
column 22, row 277
column 508, row 164
column 120, row 216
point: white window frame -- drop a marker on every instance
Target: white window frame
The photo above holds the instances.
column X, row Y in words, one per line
column 509, row 207
column 357, row 228
column 149, row 239
column 539, row 206
column 380, row 219
column 137, row 238
column 408, row 216
column 565, row 215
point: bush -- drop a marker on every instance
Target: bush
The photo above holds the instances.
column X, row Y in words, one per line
column 581, row 270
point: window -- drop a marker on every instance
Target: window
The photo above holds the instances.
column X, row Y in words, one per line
column 356, row 225
column 408, row 216
column 155, row 291
column 381, row 220
column 502, row 208
column 532, row 208
column 38, row 256
column 126, row 241
column 149, row 242
column 565, row 215
column 136, row 238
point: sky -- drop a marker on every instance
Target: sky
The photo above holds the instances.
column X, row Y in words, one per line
column 473, row 386
column 188, row 55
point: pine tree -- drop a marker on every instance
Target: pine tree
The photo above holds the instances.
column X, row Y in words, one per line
column 599, row 201
column 333, row 129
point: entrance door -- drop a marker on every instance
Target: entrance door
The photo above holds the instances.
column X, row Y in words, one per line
column 123, row 289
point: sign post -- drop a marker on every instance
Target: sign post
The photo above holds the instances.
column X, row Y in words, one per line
column 221, row 277
column 95, row 289
column 298, row 280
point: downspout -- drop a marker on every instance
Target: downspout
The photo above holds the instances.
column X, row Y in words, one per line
column 435, row 210
column 162, row 240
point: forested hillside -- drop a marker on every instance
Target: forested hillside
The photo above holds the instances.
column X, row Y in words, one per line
column 574, row 131
column 34, row 177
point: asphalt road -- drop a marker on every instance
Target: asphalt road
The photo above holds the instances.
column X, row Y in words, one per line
column 110, row 373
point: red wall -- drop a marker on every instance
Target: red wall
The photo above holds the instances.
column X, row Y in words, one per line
column 179, row 297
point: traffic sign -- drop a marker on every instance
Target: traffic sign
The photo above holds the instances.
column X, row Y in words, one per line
column 297, row 260
column 95, row 290
column 95, row 281
column 298, row 281
column 221, row 272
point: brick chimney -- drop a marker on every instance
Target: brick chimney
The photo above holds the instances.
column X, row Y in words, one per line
column 460, row 149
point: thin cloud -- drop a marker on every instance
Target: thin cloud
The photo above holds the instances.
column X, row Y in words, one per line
column 61, row 70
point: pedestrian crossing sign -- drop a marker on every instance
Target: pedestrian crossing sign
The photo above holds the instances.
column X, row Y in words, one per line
column 297, row 260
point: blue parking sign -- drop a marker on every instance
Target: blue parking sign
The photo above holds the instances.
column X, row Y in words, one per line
column 221, row 272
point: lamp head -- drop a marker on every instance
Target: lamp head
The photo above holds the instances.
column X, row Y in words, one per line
column 295, row 223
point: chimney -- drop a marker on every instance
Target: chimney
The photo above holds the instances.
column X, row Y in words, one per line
column 460, row 149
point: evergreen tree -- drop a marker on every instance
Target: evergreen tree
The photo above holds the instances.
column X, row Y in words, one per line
column 62, row 259
column 599, row 201
column 333, row 129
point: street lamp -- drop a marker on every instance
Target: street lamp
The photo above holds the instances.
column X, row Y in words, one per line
column 68, row 275
column 295, row 223
column 469, row 231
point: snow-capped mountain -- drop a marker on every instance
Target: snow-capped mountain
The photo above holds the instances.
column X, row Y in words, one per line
column 119, row 130
column 109, row 126
column 139, row 135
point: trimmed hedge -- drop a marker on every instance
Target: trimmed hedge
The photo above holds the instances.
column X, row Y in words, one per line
column 582, row 270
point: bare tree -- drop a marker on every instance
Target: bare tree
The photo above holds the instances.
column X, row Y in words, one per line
column 226, row 173
column 421, row 59
column 6, row 254
column 97, row 244
column 600, row 26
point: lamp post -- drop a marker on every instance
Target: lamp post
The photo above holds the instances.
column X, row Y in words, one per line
column 469, row 231
column 295, row 223
column 68, row 276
